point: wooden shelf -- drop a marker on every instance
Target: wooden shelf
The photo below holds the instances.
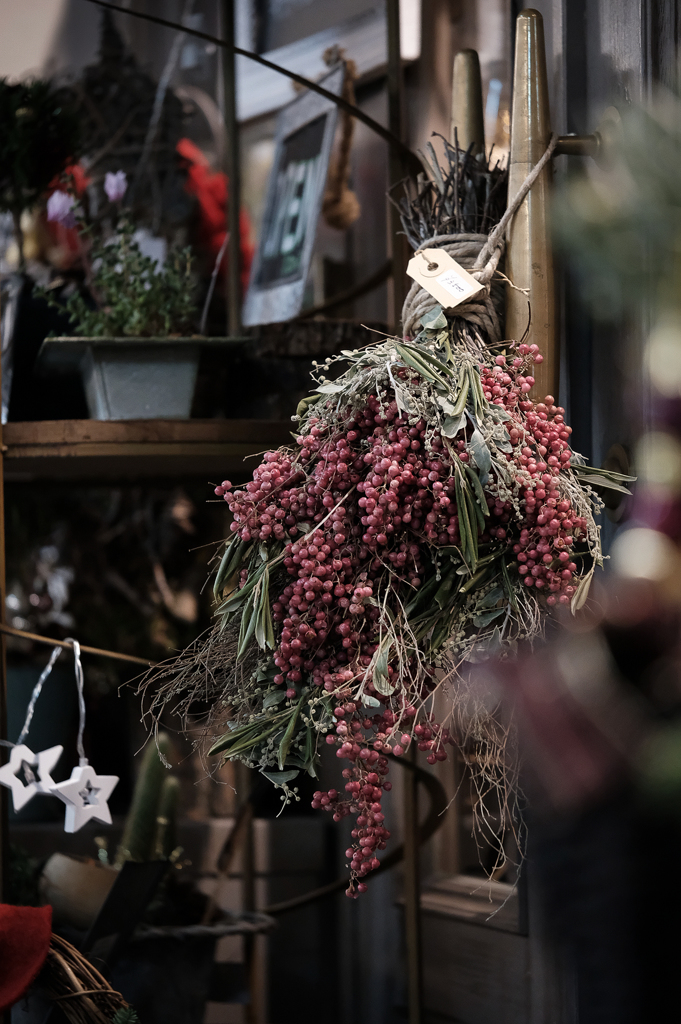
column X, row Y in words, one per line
column 134, row 449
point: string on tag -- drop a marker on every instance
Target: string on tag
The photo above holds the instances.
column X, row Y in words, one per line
column 34, row 697
column 82, row 759
column 431, row 265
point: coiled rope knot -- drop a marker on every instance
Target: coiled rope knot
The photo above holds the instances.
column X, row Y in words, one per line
column 479, row 310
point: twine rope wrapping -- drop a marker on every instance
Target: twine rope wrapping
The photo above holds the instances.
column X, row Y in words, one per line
column 479, row 255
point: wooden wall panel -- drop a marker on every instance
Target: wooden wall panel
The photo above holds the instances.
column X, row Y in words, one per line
column 475, row 974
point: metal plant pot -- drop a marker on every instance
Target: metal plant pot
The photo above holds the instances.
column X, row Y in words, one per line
column 76, row 887
column 131, row 378
column 145, row 381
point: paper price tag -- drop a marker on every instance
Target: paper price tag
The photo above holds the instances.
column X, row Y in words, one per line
column 439, row 274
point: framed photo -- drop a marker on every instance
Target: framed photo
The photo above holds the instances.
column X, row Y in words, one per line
column 305, row 132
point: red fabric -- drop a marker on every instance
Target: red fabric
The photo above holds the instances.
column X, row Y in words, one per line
column 74, row 178
column 25, row 934
column 210, row 189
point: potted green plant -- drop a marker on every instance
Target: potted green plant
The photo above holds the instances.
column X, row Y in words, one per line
column 134, row 338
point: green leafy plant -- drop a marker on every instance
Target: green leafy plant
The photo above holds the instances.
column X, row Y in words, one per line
column 126, row 1015
column 133, row 296
column 39, row 134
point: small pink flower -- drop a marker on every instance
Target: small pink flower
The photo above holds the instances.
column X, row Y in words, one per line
column 60, row 208
column 115, row 185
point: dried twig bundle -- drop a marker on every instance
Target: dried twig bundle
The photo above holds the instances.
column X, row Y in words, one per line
column 465, row 196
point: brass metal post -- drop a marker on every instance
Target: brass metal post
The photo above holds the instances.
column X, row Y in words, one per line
column 529, row 259
column 467, row 115
column 233, row 169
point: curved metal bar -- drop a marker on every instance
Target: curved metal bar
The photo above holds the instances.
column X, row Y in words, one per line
column 356, row 292
column 412, row 159
column 434, row 819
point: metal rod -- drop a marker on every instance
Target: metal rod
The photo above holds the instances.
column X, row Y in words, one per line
column 411, row 158
column 243, row 776
column 4, row 793
column 412, row 894
column 529, row 256
column 233, row 169
column 467, row 115
column 397, row 169
column 11, row 631
column 578, row 145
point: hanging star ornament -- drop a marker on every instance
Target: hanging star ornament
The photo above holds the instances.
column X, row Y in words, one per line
column 85, row 794
column 28, row 774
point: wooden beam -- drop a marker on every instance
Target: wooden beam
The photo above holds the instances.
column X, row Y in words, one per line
column 66, row 432
column 97, row 450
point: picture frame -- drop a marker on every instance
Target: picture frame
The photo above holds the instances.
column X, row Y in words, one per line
column 304, row 138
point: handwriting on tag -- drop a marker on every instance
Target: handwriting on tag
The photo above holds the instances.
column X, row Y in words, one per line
column 439, row 274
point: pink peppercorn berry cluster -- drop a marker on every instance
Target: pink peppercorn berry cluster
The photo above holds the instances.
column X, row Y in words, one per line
column 550, row 526
column 367, row 775
column 357, row 507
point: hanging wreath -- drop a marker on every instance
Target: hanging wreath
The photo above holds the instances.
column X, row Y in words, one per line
column 430, row 514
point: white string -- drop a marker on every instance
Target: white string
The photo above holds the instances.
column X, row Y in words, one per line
column 81, row 700
column 36, row 693
column 34, row 697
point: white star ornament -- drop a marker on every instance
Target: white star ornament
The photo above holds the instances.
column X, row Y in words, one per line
column 28, row 774
column 85, row 794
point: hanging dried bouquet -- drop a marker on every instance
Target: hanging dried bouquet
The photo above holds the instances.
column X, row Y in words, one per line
column 430, row 513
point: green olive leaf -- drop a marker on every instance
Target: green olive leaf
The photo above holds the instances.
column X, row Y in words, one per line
column 434, row 319
column 380, row 676
column 581, row 593
column 273, row 697
column 287, row 738
column 491, row 599
column 280, row 778
column 453, row 424
column 479, row 452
